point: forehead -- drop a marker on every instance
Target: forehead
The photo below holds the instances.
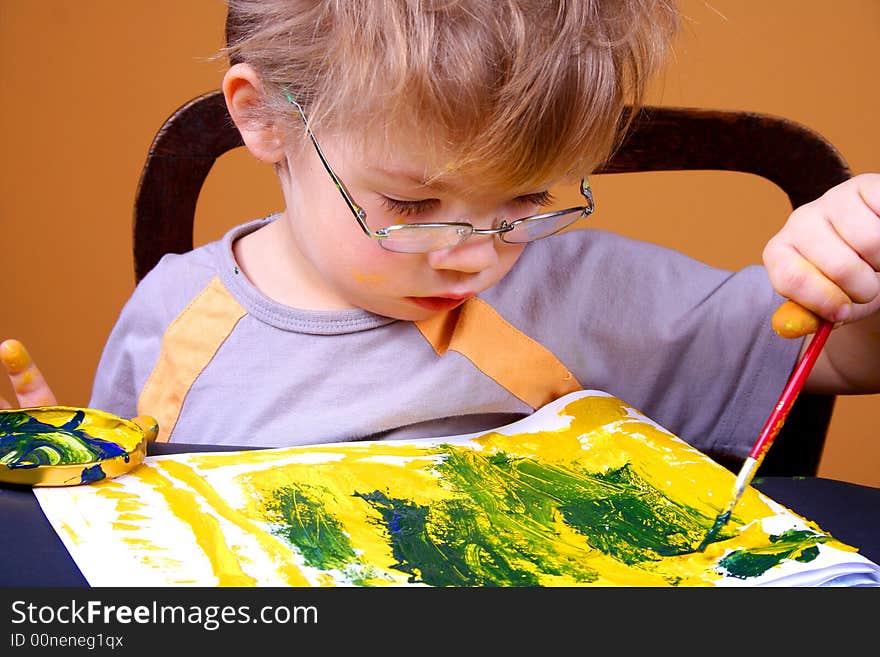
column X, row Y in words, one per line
column 419, row 160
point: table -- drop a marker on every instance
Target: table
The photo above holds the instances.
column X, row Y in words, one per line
column 34, row 556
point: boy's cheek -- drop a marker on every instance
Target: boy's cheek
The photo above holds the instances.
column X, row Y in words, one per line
column 366, row 277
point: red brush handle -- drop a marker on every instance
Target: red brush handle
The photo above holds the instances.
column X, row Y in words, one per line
column 790, row 392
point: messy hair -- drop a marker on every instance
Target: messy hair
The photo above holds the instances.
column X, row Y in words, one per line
column 516, row 90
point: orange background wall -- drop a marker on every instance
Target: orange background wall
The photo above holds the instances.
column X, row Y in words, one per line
column 85, row 85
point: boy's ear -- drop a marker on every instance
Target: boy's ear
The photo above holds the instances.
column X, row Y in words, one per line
column 243, row 93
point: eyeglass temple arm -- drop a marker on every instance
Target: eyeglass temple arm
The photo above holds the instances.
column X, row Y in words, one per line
column 587, row 192
column 359, row 214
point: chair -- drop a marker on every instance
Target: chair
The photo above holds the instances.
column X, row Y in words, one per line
column 799, row 161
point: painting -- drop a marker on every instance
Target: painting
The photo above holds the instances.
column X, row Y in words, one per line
column 587, row 491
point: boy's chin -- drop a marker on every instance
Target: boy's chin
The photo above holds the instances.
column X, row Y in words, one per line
column 415, row 309
column 436, row 304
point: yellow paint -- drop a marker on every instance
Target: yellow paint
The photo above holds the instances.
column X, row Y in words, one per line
column 791, row 320
column 14, row 356
column 270, row 545
column 368, row 279
column 125, row 526
column 69, row 531
column 126, row 502
column 206, row 530
column 148, row 425
column 132, row 517
column 97, row 424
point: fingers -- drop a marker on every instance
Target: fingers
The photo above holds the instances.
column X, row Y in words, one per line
column 846, row 251
column 795, row 277
column 827, row 256
column 28, row 383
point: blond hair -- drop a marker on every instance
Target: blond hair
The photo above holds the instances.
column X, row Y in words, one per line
column 512, row 90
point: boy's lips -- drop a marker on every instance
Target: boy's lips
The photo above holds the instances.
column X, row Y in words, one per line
column 438, row 304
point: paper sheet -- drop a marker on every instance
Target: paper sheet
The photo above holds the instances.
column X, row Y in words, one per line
column 585, row 492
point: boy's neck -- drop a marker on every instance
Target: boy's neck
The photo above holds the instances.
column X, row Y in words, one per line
column 273, row 264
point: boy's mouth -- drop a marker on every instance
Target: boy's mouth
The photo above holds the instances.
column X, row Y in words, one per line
column 437, row 304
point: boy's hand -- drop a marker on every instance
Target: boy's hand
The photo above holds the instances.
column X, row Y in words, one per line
column 827, row 256
column 31, row 388
column 28, row 383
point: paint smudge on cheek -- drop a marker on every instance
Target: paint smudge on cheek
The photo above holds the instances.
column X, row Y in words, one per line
column 368, row 278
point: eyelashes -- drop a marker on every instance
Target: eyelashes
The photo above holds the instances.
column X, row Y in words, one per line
column 541, row 199
column 409, row 208
column 412, row 208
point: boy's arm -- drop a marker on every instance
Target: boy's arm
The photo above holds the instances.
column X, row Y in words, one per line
column 827, row 259
column 850, row 361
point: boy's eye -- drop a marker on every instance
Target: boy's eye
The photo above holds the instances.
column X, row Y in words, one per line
column 412, row 208
column 540, row 199
column 409, row 208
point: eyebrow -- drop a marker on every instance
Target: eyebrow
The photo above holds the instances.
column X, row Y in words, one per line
column 413, row 178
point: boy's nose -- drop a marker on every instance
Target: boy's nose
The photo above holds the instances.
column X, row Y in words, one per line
column 477, row 253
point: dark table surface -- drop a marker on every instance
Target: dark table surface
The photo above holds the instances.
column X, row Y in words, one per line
column 34, row 556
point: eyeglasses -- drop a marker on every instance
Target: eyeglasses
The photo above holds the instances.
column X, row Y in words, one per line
column 427, row 237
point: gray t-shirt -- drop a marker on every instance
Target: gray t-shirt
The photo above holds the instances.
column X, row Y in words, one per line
column 689, row 345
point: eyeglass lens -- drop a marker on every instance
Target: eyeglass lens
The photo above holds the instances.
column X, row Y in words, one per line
column 415, row 238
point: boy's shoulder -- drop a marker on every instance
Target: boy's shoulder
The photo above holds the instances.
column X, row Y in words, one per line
column 593, row 249
column 178, row 277
column 597, row 268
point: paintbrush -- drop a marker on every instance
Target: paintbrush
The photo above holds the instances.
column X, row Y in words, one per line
column 772, row 427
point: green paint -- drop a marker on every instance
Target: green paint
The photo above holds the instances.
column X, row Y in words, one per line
column 26, row 442
column 302, row 521
column 501, row 525
column 712, row 535
column 633, row 521
column 801, row 545
column 455, row 551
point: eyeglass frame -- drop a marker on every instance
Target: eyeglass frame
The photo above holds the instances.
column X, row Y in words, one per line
column 381, row 234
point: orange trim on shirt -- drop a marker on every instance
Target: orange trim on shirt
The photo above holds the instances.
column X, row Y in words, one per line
column 188, row 345
column 526, row 368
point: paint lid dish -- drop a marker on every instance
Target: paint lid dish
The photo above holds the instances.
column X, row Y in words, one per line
column 67, row 446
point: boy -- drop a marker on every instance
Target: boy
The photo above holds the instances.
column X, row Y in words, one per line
column 406, row 289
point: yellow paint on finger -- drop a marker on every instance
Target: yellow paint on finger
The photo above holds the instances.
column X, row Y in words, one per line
column 791, row 320
column 14, row 356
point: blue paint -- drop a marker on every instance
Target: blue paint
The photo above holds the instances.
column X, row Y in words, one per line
column 94, row 473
